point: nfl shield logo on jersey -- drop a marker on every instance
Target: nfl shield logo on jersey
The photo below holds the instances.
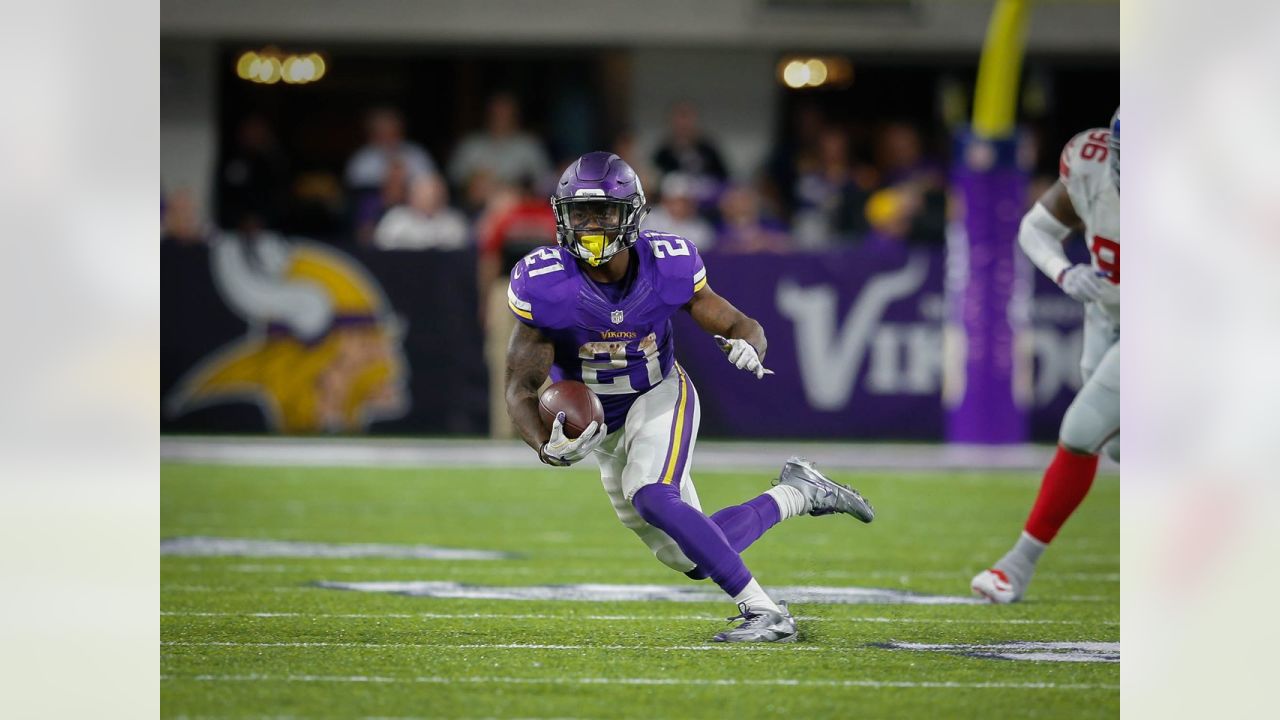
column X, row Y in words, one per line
column 616, row 317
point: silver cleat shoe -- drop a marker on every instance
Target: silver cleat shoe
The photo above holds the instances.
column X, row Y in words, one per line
column 822, row 495
column 760, row 625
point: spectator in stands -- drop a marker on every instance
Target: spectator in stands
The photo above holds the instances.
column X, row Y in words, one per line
column 830, row 193
column 687, row 151
column 180, row 221
column 624, row 145
column 501, row 154
column 677, row 212
column 253, row 177
column 370, row 206
column 744, row 229
column 797, row 149
column 426, row 222
column 899, row 156
column 517, row 220
column 918, row 187
column 368, row 167
column 889, row 214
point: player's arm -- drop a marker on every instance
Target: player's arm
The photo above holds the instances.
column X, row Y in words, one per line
column 741, row 338
column 719, row 317
column 529, row 357
column 1045, row 227
column 1043, row 230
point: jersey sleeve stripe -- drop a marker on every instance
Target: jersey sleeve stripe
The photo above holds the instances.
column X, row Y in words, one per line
column 700, row 276
column 517, row 302
column 700, row 284
column 527, row 315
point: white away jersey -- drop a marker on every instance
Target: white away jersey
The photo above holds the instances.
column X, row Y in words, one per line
column 1084, row 168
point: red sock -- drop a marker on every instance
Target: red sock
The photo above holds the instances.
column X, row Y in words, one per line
column 1066, row 482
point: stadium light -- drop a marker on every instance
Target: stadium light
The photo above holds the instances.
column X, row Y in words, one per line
column 269, row 66
column 812, row 72
column 795, row 74
column 244, row 66
column 318, row 62
column 817, row 72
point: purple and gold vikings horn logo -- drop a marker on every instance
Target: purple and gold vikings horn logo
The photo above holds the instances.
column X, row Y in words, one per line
column 323, row 352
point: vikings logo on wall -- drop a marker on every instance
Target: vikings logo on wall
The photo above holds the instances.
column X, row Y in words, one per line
column 323, row 350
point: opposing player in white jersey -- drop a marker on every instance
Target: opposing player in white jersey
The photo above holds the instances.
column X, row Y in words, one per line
column 1086, row 197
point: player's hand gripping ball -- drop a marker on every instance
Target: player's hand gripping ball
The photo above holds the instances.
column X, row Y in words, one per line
column 575, row 418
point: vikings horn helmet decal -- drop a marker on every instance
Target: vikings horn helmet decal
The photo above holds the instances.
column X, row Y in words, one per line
column 323, row 349
column 598, row 205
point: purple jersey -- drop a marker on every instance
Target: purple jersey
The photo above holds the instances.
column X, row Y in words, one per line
column 621, row 348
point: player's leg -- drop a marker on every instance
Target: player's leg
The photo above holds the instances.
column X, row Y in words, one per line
column 1101, row 333
column 800, row 490
column 665, row 423
column 1112, row 448
column 741, row 524
column 662, row 431
column 611, row 455
column 1092, row 420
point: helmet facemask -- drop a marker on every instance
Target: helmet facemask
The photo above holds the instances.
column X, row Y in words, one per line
column 594, row 229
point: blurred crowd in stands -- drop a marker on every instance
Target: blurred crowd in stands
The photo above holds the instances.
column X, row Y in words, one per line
column 825, row 184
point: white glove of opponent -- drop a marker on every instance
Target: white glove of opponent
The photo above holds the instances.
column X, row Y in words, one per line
column 743, row 356
column 561, row 451
column 1085, row 284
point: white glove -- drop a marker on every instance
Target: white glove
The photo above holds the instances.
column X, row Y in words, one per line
column 743, row 356
column 561, row 451
column 1085, row 284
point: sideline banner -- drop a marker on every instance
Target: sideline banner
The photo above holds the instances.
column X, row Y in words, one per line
column 855, row 337
column 292, row 336
column 298, row 337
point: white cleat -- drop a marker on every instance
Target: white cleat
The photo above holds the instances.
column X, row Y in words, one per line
column 822, row 495
column 761, row 625
column 995, row 586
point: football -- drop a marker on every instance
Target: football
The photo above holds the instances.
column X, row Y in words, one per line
column 579, row 405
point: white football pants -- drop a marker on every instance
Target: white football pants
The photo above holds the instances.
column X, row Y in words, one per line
column 1093, row 419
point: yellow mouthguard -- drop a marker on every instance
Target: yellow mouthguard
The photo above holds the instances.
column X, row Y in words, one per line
column 594, row 245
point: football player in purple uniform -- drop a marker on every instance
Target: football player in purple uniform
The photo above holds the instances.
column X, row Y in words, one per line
column 597, row 308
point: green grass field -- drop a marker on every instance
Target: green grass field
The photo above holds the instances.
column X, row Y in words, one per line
column 253, row 636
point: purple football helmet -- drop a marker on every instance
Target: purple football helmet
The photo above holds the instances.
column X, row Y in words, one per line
column 598, row 205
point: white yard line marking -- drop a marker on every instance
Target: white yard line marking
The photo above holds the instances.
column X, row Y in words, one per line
column 497, row 646
column 201, row 546
column 641, row 681
column 224, row 589
column 624, row 618
column 605, row 592
column 1024, row 645
column 1084, row 651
